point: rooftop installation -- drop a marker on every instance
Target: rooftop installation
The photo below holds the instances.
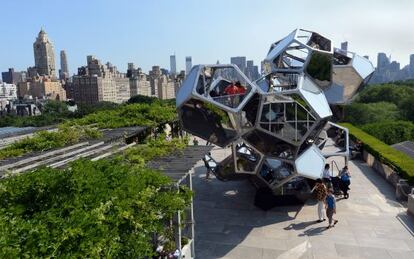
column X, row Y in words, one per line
column 278, row 124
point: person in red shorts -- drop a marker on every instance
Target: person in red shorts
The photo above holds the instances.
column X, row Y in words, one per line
column 234, row 88
column 236, row 91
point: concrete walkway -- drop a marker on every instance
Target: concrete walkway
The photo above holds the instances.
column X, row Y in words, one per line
column 371, row 223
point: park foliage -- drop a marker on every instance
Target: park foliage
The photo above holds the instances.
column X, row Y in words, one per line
column 112, row 208
column 385, row 111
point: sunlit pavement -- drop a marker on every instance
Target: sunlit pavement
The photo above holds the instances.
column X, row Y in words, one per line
column 371, row 223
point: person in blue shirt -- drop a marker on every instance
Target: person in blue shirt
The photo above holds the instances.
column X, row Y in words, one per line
column 345, row 181
column 330, row 206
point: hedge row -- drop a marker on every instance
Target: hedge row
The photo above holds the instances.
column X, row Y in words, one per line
column 402, row 164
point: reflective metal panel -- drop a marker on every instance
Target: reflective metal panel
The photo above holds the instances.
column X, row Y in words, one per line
column 187, row 87
column 208, row 122
column 310, row 163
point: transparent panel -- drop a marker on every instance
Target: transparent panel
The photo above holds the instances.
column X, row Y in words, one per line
column 247, row 159
column 208, row 122
column 314, row 136
column 270, row 145
column 294, row 57
column 288, row 120
column 249, row 112
column 314, row 40
column 341, row 57
column 274, row 171
column 226, row 85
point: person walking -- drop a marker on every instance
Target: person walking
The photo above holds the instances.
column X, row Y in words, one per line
column 330, row 208
column 320, row 192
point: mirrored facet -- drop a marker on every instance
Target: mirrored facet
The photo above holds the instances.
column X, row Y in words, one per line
column 187, row 87
column 208, row 122
column 310, row 163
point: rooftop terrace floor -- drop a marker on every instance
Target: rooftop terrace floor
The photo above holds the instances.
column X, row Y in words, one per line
column 372, row 224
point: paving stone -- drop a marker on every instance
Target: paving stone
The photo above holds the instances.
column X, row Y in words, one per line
column 372, row 224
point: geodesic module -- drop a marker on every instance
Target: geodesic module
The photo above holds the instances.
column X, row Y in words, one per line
column 274, row 125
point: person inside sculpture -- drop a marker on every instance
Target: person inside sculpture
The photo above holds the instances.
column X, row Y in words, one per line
column 345, row 181
column 320, row 192
column 235, row 91
column 234, row 88
column 330, row 205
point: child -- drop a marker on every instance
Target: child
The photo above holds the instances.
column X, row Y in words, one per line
column 330, row 208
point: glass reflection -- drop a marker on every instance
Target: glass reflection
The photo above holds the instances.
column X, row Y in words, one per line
column 270, row 145
column 320, row 68
column 208, row 122
column 288, row 120
column 274, row 171
column 246, row 158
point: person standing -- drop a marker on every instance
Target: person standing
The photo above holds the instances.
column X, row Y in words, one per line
column 330, row 208
column 320, row 192
column 195, row 142
column 345, row 181
column 326, row 175
column 206, row 160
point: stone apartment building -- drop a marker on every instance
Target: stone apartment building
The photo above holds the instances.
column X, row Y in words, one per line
column 42, row 87
column 98, row 82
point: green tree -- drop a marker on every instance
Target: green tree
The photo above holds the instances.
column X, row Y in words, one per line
column 391, row 132
column 363, row 113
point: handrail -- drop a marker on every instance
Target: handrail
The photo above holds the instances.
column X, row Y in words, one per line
column 337, row 167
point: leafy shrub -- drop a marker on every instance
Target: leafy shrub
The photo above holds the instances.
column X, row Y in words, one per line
column 45, row 140
column 391, row 132
column 401, row 163
column 102, row 209
column 137, row 114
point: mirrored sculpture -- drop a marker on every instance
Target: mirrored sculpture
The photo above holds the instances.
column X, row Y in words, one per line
column 278, row 126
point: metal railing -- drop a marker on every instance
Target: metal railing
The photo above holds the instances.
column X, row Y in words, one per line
column 231, row 101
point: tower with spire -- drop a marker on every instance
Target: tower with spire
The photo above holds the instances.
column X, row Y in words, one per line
column 44, row 55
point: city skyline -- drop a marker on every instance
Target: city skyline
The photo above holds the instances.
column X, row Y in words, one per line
column 165, row 28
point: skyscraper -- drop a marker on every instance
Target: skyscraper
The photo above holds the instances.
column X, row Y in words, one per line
column 188, row 65
column 344, row 46
column 44, row 55
column 252, row 71
column 382, row 61
column 412, row 62
column 64, row 71
column 173, row 65
column 240, row 62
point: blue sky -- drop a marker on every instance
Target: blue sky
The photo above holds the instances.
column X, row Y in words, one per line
column 147, row 32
